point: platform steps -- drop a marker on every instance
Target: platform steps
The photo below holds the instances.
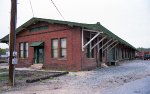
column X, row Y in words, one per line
column 36, row 66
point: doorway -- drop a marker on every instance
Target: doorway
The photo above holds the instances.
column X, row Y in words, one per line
column 38, row 55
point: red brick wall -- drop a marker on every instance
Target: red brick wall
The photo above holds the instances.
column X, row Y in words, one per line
column 73, row 60
column 76, row 59
column 88, row 63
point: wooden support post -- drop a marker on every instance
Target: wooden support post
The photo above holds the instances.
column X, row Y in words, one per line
column 104, row 44
column 92, row 39
column 12, row 39
column 98, row 42
column 82, row 39
column 109, row 45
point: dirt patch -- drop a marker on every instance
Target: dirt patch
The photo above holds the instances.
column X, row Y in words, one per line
column 21, row 76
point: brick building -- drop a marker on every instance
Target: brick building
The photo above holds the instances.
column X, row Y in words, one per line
column 142, row 52
column 63, row 45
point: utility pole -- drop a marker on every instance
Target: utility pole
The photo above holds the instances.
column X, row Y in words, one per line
column 12, row 39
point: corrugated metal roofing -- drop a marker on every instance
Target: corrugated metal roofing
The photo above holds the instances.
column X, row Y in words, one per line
column 97, row 27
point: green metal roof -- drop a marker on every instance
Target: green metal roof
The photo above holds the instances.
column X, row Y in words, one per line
column 35, row 44
column 5, row 39
column 97, row 27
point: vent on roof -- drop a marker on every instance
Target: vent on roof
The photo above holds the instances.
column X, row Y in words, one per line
column 98, row 23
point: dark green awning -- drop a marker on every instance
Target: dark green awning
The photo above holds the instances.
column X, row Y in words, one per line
column 35, row 44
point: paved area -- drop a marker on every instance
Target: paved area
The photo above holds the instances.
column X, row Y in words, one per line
column 98, row 81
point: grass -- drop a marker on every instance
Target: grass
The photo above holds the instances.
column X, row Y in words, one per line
column 3, row 77
column 3, row 70
column 19, row 78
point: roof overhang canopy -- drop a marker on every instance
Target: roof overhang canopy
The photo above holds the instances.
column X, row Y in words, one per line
column 5, row 39
column 36, row 44
column 93, row 27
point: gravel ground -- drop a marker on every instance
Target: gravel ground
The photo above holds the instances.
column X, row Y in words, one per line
column 88, row 82
column 140, row 86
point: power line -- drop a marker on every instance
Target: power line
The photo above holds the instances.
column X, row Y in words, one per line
column 58, row 10
column 31, row 8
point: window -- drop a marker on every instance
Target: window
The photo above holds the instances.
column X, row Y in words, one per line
column 23, row 50
column 63, row 48
column 88, row 53
column 54, row 48
column 26, row 50
column 39, row 28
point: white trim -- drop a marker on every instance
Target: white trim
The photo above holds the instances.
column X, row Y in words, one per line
column 82, row 40
column 91, row 39
column 97, row 45
column 90, row 44
column 110, row 45
column 92, row 30
column 98, row 42
column 113, row 46
column 104, row 44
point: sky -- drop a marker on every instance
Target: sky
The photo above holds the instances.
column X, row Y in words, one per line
column 128, row 19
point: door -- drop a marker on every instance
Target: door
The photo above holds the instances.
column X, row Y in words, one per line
column 39, row 55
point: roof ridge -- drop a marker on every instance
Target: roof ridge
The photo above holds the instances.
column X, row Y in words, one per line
column 61, row 20
column 96, row 26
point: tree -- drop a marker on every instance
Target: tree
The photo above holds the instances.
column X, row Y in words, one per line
column 2, row 51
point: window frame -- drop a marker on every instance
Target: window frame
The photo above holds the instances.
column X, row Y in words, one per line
column 39, row 28
column 23, row 51
column 63, row 48
column 26, row 50
column 52, row 49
